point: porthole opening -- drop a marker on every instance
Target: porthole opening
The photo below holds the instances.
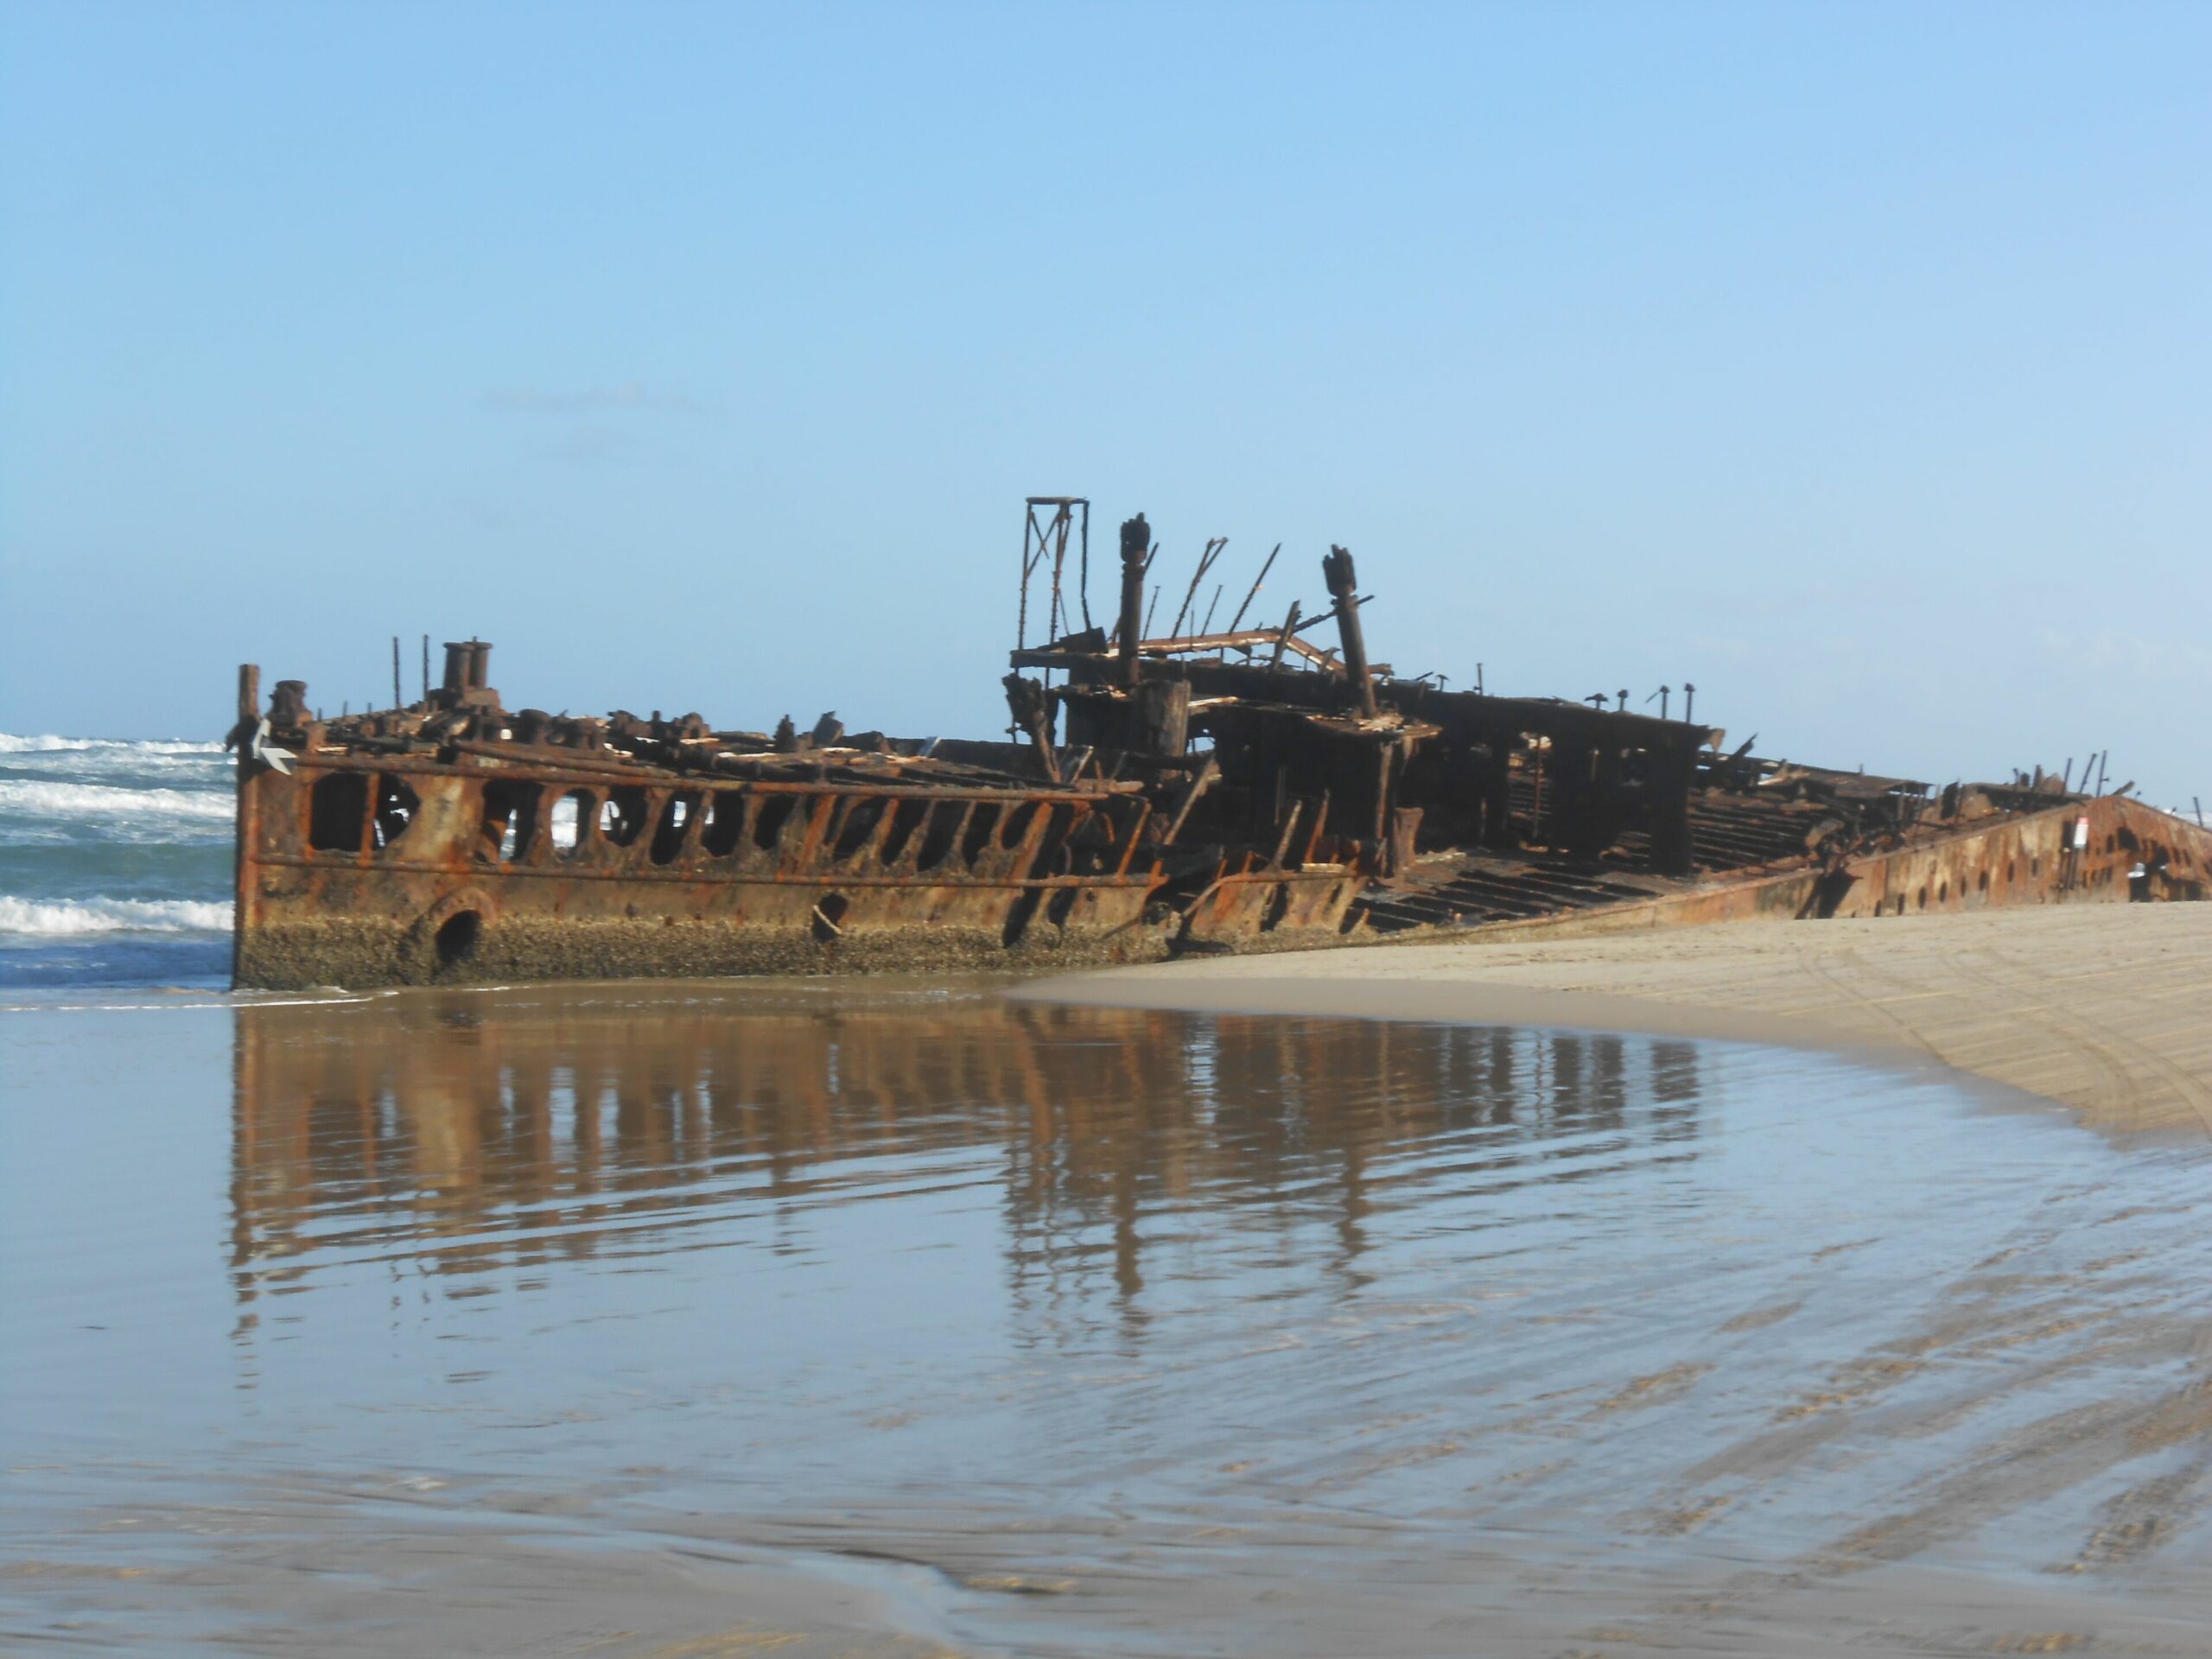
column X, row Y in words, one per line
column 675, row 825
column 769, row 818
column 510, row 818
column 622, row 816
column 396, row 805
column 725, row 824
column 571, row 814
column 457, row 938
column 336, row 807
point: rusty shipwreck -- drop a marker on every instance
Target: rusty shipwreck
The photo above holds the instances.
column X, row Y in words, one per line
column 1244, row 788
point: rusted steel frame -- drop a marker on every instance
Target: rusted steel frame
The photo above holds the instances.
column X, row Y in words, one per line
column 1315, row 830
column 1683, row 903
column 1083, row 581
column 632, row 771
column 1187, row 798
column 1254, row 592
column 1472, row 712
column 1025, row 853
column 707, row 878
column 709, row 781
column 802, row 857
column 1211, row 608
column 823, row 827
column 1135, row 834
column 1057, row 533
column 1038, row 538
column 1136, row 540
column 1303, row 889
column 1043, row 657
column 1215, row 545
column 245, row 891
column 1031, row 538
column 1254, row 637
column 1337, row 571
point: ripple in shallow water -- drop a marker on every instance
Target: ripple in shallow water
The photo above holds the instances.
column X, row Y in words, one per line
column 1249, row 1326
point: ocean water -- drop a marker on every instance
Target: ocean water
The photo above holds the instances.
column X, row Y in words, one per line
column 115, row 862
column 662, row 1319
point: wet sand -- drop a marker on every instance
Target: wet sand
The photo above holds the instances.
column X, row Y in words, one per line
column 823, row 1318
column 2107, row 1008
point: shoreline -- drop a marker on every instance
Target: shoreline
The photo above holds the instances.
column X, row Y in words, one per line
column 2105, row 1008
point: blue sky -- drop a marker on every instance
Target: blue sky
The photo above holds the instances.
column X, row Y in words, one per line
column 1854, row 362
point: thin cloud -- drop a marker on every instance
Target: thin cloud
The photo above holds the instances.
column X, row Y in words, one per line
column 2149, row 659
column 630, row 397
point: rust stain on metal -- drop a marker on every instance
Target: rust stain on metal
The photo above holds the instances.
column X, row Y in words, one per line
column 1246, row 790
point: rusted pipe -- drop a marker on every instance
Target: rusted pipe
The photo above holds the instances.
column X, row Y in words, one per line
column 1136, row 544
column 1337, row 571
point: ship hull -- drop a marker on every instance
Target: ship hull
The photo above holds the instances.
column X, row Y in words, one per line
column 360, row 874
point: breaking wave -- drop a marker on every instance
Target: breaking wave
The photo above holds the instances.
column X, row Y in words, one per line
column 64, row 918
column 12, row 743
column 114, row 862
column 111, row 803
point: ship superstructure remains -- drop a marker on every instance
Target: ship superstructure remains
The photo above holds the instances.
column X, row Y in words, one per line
column 1241, row 789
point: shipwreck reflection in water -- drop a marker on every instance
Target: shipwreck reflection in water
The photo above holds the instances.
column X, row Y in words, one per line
column 465, row 1133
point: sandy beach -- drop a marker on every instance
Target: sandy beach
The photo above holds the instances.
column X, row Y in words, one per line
column 2106, row 1008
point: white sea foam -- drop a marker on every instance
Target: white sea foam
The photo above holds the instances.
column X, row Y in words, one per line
column 63, row 917
column 109, row 804
column 12, row 743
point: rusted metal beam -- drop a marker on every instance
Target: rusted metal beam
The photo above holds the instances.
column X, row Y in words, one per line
column 1336, row 570
column 1254, row 592
column 1136, row 544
